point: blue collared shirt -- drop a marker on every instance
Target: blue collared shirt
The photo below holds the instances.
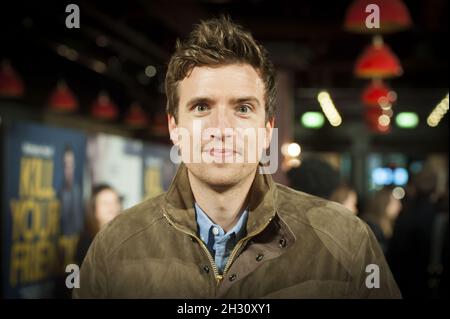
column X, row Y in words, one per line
column 219, row 243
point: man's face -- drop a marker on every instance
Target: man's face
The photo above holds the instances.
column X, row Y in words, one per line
column 225, row 105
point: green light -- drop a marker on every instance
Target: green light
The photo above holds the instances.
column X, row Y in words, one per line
column 312, row 120
column 407, row 120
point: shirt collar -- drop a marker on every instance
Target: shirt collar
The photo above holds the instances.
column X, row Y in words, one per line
column 205, row 223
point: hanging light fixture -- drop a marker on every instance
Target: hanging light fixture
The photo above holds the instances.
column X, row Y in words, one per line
column 393, row 14
column 136, row 116
column 378, row 61
column 376, row 120
column 11, row 85
column 62, row 99
column 103, row 108
column 377, row 93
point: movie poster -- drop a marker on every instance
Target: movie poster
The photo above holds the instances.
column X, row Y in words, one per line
column 117, row 162
column 42, row 209
column 159, row 170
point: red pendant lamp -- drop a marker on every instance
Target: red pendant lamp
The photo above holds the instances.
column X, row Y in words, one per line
column 103, row 108
column 394, row 16
column 11, row 85
column 62, row 99
column 136, row 116
column 376, row 92
column 376, row 120
column 378, row 61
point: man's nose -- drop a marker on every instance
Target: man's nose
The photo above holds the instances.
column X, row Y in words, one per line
column 221, row 124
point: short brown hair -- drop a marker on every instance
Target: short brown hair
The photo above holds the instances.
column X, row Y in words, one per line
column 217, row 42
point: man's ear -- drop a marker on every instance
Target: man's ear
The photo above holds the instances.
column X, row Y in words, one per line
column 269, row 131
column 173, row 129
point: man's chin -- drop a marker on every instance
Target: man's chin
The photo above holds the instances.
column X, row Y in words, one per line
column 220, row 174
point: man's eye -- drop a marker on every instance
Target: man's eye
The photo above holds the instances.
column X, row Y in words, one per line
column 200, row 108
column 243, row 109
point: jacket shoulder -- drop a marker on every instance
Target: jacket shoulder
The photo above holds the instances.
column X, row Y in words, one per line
column 336, row 226
column 131, row 222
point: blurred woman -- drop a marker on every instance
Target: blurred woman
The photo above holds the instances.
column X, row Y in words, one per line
column 346, row 196
column 104, row 206
column 381, row 214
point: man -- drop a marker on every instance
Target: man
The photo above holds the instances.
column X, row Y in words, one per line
column 225, row 230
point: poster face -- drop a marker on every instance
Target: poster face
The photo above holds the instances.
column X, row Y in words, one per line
column 116, row 161
column 42, row 207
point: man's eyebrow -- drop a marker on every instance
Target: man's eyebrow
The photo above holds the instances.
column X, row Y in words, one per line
column 208, row 100
column 245, row 99
column 198, row 100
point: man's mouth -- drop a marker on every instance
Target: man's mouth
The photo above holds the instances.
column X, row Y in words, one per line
column 221, row 152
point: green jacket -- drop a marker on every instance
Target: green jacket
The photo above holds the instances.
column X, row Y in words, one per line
column 297, row 246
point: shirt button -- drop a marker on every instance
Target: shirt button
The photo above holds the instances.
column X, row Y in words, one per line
column 259, row 257
column 206, row 268
column 282, row 243
column 232, row 277
column 215, row 231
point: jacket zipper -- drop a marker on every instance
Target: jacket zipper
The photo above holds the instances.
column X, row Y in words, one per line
column 217, row 276
column 240, row 243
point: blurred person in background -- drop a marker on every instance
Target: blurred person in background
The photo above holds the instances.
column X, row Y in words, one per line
column 418, row 252
column 105, row 204
column 381, row 213
column 347, row 196
column 439, row 255
column 314, row 176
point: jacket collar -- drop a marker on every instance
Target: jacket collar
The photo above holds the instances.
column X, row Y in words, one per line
column 179, row 201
